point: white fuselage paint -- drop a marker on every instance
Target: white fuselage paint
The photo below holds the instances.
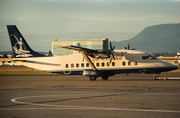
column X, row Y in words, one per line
column 124, row 59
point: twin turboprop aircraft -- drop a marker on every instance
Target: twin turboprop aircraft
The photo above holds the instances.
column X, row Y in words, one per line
column 89, row 62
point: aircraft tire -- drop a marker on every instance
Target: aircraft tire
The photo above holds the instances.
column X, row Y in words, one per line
column 92, row 78
column 105, row 77
column 156, row 77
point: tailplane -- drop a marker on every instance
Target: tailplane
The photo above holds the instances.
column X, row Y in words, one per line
column 19, row 45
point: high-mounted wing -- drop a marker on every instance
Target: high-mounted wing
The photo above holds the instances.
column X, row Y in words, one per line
column 72, row 47
column 92, row 53
column 84, row 51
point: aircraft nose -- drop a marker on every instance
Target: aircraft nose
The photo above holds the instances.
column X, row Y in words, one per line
column 174, row 67
column 170, row 66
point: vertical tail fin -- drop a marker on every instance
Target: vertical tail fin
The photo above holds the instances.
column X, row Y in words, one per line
column 19, row 45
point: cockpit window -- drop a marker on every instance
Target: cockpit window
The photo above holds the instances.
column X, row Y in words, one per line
column 149, row 56
column 152, row 56
column 144, row 57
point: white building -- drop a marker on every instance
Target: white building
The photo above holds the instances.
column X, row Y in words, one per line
column 91, row 44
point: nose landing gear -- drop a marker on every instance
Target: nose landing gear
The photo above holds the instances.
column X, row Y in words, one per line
column 156, row 77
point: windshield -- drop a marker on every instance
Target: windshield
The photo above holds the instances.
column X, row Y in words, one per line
column 151, row 56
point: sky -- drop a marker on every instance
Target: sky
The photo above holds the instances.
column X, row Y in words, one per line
column 40, row 21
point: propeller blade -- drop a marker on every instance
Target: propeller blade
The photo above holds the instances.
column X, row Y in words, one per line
column 110, row 52
column 113, row 48
column 113, row 56
column 110, row 61
column 128, row 45
column 110, row 45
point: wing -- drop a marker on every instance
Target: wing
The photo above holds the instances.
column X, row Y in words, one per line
column 89, row 52
column 72, row 47
column 84, row 51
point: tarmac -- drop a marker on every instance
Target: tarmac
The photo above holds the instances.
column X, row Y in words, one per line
column 133, row 96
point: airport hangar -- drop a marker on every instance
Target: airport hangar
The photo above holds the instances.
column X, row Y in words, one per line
column 95, row 44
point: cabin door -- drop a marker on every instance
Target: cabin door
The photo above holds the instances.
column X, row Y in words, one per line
column 67, row 69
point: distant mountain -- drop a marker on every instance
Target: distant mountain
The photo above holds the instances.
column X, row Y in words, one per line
column 158, row 38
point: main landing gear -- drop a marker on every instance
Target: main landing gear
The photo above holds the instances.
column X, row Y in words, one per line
column 105, row 77
column 93, row 78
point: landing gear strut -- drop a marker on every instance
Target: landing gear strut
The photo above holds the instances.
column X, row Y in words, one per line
column 156, row 77
column 93, row 78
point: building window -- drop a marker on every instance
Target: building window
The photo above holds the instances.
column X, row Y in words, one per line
column 87, row 64
column 102, row 64
column 113, row 63
column 82, row 65
column 66, row 65
column 77, row 65
column 97, row 64
column 72, row 65
column 123, row 63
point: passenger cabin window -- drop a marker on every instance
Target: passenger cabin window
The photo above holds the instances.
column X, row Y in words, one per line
column 77, row 65
column 82, row 65
column 66, row 65
column 97, row 64
column 102, row 64
column 123, row 63
column 135, row 63
column 108, row 63
column 87, row 64
column 129, row 63
column 72, row 65
column 113, row 63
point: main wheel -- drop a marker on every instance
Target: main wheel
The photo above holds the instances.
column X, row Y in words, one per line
column 92, row 78
column 105, row 77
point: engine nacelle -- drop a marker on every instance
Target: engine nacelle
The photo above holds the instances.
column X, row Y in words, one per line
column 103, row 56
column 92, row 73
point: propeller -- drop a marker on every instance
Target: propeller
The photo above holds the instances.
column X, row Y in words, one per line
column 111, row 46
column 127, row 48
column 110, row 52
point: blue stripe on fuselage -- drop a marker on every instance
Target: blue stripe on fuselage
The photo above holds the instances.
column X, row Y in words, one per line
column 117, row 71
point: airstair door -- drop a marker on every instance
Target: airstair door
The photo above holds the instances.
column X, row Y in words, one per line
column 67, row 69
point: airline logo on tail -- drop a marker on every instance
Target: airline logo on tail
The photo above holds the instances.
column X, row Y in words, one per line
column 20, row 48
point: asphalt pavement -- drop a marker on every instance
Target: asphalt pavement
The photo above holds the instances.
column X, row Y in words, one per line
column 133, row 96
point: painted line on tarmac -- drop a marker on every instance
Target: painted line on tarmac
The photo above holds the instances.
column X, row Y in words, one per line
column 56, row 107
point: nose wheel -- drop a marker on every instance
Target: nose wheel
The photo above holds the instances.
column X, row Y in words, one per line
column 156, row 77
